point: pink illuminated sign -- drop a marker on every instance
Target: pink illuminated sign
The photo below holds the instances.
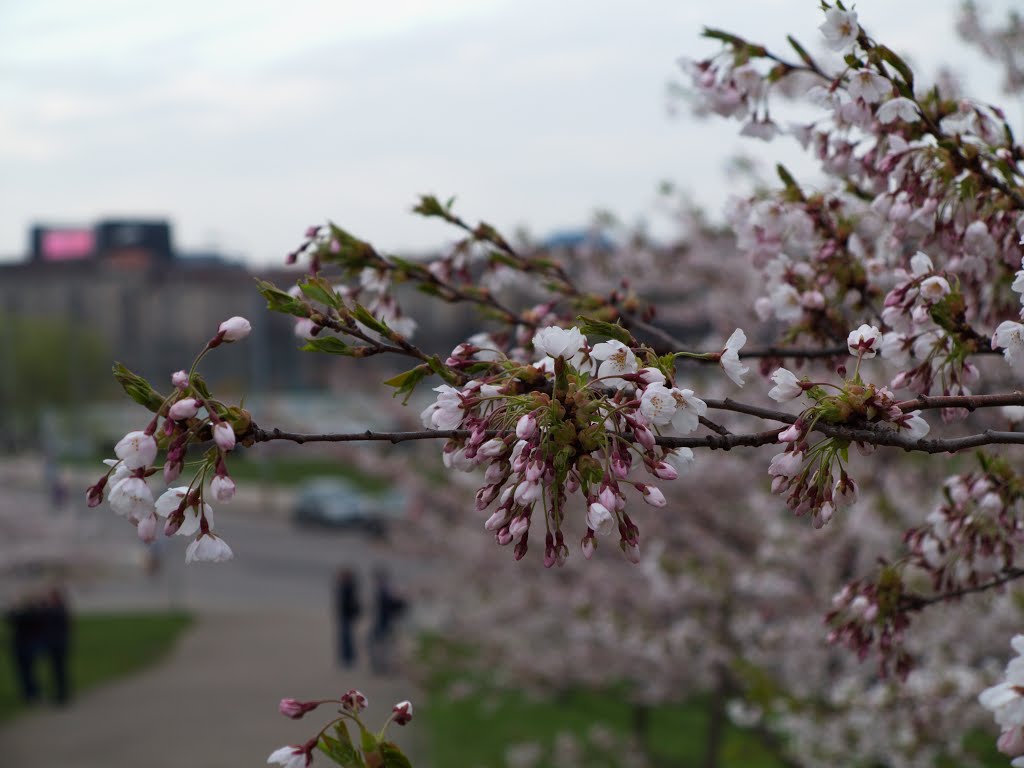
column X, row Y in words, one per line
column 67, row 244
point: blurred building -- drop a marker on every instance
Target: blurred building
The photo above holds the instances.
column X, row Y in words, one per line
column 156, row 307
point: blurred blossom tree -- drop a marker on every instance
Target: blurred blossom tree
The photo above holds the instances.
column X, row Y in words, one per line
column 882, row 302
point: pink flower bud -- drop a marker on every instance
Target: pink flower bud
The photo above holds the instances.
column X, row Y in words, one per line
column 497, row 520
column 632, row 552
column 791, row 435
column 1011, row 742
column 147, row 529
column 644, row 436
column 354, row 701
column 519, row 525
column 94, row 495
column 652, row 495
column 588, row 544
column 234, row 329
column 223, row 488
column 402, row 712
column 503, row 537
column 295, row 709
column 224, row 436
column 179, row 379
column 185, row 408
column 665, row 471
column 526, row 427
column 172, row 469
column 174, row 522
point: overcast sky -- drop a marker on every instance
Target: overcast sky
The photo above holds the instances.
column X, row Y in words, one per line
column 243, row 121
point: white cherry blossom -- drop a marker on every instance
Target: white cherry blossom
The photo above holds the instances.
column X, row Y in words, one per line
column 600, row 519
column 840, row 29
column 869, row 86
column 730, row 359
column 131, row 497
column 689, row 409
column 657, row 404
column 616, row 359
column 1009, row 337
column 900, row 108
column 136, row 450
column 208, row 548
column 559, row 342
column 446, row 412
column 787, row 386
column 864, row 341
column 290, row 757
column 934, row 288
column 1006, row 700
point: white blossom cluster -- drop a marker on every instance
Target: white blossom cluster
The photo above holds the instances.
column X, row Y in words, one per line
column 185, row 414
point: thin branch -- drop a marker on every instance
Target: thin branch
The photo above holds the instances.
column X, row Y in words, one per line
column 970, row 402
column 918, row 602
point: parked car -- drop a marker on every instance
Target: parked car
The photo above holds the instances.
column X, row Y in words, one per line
column 336, row 503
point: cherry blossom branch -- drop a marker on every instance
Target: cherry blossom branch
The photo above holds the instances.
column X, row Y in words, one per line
column 919, row 602
column 879, row 437
column 968, row 402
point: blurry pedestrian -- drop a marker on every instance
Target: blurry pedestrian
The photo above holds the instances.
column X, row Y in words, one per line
column 346, row 611
column 23, row 619
column 55, row 641
column 389, row 608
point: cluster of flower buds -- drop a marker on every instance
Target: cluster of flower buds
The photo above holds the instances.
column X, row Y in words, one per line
column 870, row 615
column 577, row 420
column 188, row 415
column 339, row 747
column 973, row 535
column 807, row 473
column 926, row 315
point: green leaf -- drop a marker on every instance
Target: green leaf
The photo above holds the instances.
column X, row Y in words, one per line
column 803, row 54
column 790, row 183
column 592, row 326
column 362, row 314
column 430, row 206
column 137, row 388
column 281, row 301
column 199, row 385
column 890, row 57
column 393, row 757
column 318, row 289
column 352, row 252
column 341, row 751
column 367, row 740
column 405, row 383
column 332, row 345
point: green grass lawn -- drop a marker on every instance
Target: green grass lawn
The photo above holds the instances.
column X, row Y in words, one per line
column 474, row 731
column 104, row 647
column 468, row 722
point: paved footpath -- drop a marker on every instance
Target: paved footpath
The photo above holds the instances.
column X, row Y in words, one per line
column 212, row 703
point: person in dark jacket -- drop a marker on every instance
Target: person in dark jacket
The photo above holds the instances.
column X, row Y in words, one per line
column 346, row 611
column 389, row 608
column 55, row 641
column 24, row 622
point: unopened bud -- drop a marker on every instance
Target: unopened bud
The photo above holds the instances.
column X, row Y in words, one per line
column 402, row 712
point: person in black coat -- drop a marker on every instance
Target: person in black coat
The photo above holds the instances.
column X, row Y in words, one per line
column 389, row 608
column 55, row 641
column 346, row 611
column 24, row 621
